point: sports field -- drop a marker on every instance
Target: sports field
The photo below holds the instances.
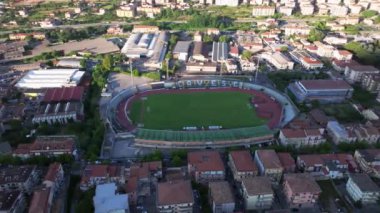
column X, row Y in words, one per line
column 228, row 109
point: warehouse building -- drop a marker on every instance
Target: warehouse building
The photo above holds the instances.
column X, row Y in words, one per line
column 321, row 90
column 181, row 50
column 61, row 105
column 219, row 51
column 52, row 78
column 149, row 47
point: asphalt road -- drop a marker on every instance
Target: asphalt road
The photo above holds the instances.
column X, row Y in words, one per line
column 79, row 26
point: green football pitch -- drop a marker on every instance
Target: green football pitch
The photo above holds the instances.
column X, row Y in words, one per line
column 199, row 109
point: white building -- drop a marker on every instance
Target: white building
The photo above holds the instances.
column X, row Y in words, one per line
column 263, row 11
column 181, row 50
column 360, row 187
column 301, row 137
column 294, row 29
column 278, row 60
column 147, row 45
column 39, row 79
column 307, row 9
column 257, row 193
column 221, row 197
column 355, row 73
column 231, row 3
column 339, row 133
column 338, row 10
column 106, row 199
column 285, row 10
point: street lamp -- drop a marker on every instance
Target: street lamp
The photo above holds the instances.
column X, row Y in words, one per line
column 130, row 68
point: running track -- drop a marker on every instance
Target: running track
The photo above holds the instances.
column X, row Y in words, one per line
column 266, row 106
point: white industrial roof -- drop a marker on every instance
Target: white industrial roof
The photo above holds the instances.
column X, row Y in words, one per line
column 106, row 199
column 38, row 79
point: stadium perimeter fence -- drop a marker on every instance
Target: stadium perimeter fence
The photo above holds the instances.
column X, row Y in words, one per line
column 208, row 135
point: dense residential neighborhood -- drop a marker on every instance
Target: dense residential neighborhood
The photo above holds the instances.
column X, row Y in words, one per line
column 190, row 106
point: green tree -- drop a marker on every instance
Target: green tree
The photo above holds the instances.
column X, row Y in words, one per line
column 83, row 62
column 207, row 38
column 368, row 13
column 176, row 161
column 316, row 35
column 284, row 49
column 107, row 63
column 224, row 38
column 246, row 54
column 135, row 72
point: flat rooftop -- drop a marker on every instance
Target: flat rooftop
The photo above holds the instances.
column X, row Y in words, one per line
column 325, row 85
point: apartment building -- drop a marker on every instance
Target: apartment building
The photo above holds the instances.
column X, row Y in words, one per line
column 175, row 196
column 324, row 166
column 287, row 162
column 21, row 178
column 340, row 133
column 242, row 165
column 342, row 55
column 269, row 164
column 305, row 59
column 301, row 190
column 368, row 161
column 263, row 11
column 355, row 73
column 371, row 82
column 221, row 197
column 99, row 174
column 257, row 193
column 301, row 137
column 12, row 201
column 205, row 166
column 230, row 3
column 296, row 29
column 278, row 60
column 361, row 188
column 47, row 146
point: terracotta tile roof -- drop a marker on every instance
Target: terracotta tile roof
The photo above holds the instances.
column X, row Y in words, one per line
column 143, row 170
column 52, row 171
column 322, row 159
column 344, row 52
column 302, row 183
column 63, row 94
column 286, row 159
column 243, row 161
column 131, row 185
column 260, row 185
column 293, row 133
column 100, row 171
column 234, row 50
column 205, row 161
column 40, row 201
column 176, row 192
column 310, row 60
column 269, row 159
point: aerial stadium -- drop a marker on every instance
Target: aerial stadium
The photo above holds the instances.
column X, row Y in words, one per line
column 199, row 113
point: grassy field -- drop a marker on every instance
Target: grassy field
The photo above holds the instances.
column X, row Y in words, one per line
column 175, row 111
